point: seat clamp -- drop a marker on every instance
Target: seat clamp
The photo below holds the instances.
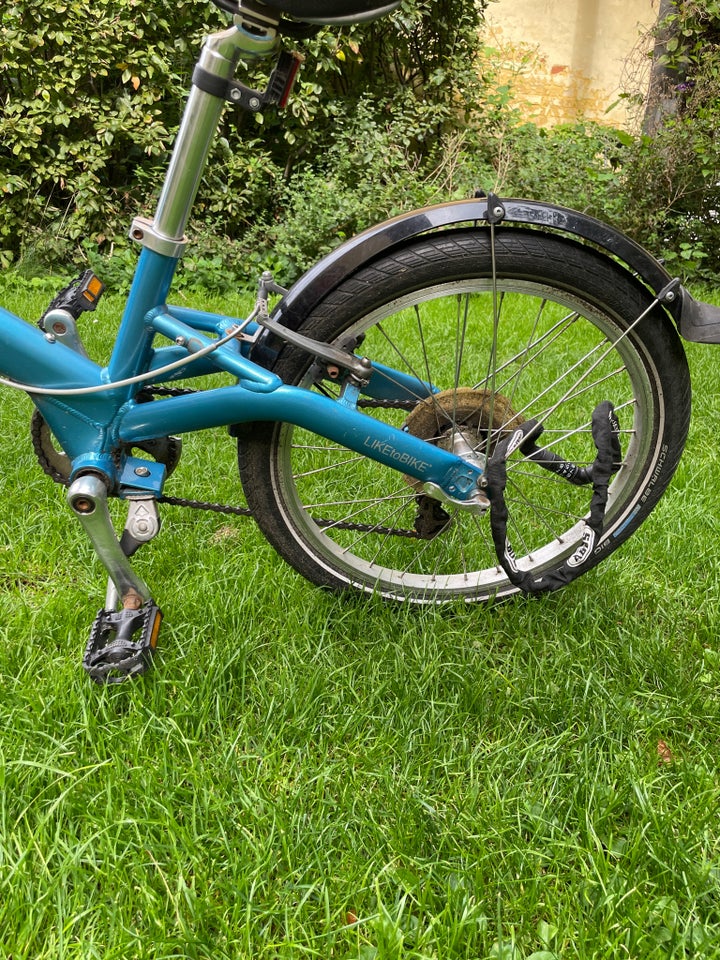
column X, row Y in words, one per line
column 143, row 231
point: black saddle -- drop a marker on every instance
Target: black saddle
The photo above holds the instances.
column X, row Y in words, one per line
column 331, row 11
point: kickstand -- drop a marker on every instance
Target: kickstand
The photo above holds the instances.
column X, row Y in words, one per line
column 122, row 641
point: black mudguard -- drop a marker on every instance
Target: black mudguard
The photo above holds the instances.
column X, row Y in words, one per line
column 348, row 258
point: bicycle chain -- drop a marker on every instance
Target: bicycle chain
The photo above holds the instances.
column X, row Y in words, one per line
column 40, row 441
column 51, row 461
column 321, row 522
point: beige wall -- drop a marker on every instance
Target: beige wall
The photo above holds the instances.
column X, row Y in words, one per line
column 571, row 58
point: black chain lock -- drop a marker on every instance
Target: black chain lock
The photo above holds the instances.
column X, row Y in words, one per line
column 605, row 434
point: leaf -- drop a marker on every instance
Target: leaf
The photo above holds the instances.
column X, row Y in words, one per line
column 664, row 752
column 504, row 951
column 546, row 932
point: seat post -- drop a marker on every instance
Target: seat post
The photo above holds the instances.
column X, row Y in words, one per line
column 163, row 237
column 219, row 57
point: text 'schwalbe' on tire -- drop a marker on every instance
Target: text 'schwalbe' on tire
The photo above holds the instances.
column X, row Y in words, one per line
column 563, row 346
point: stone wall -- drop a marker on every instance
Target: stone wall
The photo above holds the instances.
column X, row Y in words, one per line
column 566, row 59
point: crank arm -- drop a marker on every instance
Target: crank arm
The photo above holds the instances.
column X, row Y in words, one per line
column 141, row 526
column 87, row 497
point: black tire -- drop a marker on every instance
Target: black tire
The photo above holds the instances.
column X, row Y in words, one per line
column 568, row 337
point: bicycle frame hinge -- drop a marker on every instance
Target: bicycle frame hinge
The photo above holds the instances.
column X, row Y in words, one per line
column 143, row 231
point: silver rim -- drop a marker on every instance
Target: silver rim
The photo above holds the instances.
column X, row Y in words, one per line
column 557, row 357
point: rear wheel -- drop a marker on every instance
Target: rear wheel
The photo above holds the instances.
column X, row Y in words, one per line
column 548, row 334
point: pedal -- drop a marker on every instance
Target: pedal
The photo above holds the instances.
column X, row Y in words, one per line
column 83, row 293
column 122, row 643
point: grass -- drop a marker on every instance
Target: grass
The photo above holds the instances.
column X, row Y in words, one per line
column 310, row 776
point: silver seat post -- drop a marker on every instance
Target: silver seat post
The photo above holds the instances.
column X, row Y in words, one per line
column 219, row 57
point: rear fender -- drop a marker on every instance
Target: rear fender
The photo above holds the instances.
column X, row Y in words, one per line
column 351, row 256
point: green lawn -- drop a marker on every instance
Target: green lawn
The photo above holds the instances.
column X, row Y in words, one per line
column 304, row 775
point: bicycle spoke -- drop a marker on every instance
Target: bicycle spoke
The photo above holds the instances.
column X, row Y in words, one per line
column 354, row 458
column 544, row 343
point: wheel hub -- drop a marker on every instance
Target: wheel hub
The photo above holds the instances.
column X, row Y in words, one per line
column 459, row 420
column 443, row 412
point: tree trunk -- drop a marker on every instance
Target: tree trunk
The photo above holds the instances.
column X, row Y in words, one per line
column 662, row 100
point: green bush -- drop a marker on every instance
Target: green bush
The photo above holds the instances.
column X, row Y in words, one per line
column 83, row 118
column 575, row 165
column 369, row 172
column 386, row 117
column 89, row 105
column 671, row 180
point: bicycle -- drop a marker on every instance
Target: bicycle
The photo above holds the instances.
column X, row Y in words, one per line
column 468, row 401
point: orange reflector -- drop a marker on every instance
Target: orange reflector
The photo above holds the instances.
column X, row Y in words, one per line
column 155, row 630
column 93, row 289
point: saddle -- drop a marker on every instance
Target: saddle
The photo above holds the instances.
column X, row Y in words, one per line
column 329, row 12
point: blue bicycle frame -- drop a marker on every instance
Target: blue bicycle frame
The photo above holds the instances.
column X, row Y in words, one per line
column 97, row 414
